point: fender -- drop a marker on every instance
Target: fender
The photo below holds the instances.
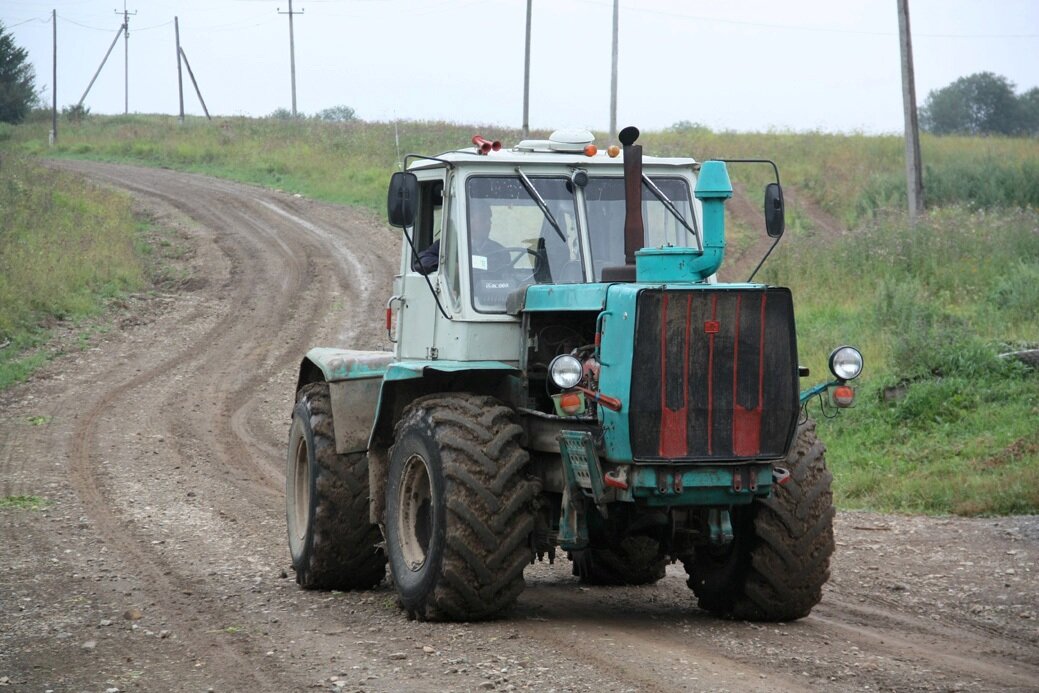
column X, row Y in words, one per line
column 369, row 389
column 354, row 380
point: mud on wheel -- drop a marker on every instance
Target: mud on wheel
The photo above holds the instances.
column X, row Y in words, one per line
column 459, row 508
column 332, row 542
column 779, row 560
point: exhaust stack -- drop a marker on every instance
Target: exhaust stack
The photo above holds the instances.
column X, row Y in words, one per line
column 634, row 225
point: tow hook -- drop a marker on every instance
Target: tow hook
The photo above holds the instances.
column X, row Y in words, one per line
column 780, row 475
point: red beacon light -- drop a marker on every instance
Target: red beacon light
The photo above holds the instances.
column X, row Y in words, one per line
column 485, row 146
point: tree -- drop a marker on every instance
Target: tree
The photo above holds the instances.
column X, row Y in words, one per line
column 980, row 104
column 1029, row 103
column 337, row 114
column 18, row 92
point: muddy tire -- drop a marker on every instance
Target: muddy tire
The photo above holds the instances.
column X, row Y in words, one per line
column 779, row 560
column 635, row 560
column 331, row 540
column 459, row 508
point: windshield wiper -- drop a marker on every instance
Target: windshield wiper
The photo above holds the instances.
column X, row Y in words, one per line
column 659, row 194
column 536, row 196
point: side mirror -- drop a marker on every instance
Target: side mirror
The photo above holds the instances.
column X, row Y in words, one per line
column 775, row 222
column 402, row 199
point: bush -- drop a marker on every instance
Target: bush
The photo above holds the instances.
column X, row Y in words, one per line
column 337, row 114
column 1016, row 294
column 75, row 113
column 280, row 114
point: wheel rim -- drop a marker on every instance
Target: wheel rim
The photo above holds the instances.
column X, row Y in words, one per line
column 415, row 519
column 300, row 514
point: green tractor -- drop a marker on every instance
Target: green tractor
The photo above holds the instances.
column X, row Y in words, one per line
column 567, row 373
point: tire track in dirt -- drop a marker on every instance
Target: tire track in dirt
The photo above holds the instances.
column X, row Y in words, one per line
column 209, row 369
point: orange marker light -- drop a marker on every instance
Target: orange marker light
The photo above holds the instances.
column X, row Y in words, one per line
column 570, row 402
column 590, row 150
column 613, row 151
column 843, row 396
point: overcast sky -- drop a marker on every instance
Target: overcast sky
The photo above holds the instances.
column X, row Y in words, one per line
column 829, row 65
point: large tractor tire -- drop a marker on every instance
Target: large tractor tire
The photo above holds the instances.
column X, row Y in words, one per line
column 459, row 508
column 635, row 560
column 332, row 542
column 779, row 560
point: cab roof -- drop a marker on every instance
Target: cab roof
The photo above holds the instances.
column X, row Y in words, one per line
column 562, row 148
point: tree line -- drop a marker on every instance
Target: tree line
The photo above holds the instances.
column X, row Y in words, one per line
column 981, row 104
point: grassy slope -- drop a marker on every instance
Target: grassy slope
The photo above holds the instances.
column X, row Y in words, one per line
column 930, row 307
column 65, row 247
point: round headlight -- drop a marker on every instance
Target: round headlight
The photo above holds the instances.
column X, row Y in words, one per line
column 846, row 363
column 565, row 371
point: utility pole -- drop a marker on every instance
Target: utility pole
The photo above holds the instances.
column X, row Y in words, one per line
column 126, row 57
column 187, row 64
column 526, row 77
column 180, row 72
column 54, row 80
column 914, row 177
column 99, row 67
column 613, row 74
column 292, row 54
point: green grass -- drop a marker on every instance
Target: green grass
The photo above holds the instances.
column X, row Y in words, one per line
column 930, row 307
column 65, row 248
column 22, row 503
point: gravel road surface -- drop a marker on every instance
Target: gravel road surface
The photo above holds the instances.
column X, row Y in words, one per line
column 159, row 561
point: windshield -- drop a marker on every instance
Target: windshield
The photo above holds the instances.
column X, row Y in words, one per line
column 513, row 244
column 604, row 205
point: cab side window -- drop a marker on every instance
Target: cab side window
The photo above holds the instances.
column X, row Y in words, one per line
column 428, row 220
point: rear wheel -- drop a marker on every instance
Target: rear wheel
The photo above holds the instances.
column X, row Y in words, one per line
column 459, row 508
column 331, row 540
column 779, row 559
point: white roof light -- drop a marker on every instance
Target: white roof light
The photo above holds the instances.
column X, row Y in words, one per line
column 570, row 140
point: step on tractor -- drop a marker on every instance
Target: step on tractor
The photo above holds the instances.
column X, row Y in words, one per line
column 567, row 373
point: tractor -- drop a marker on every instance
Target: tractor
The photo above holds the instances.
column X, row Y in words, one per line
column 568, row 375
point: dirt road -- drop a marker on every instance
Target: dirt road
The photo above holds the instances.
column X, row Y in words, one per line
column 159, row 561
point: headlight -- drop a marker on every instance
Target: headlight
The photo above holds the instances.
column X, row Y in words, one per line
column 846, row 363
column 565, row 371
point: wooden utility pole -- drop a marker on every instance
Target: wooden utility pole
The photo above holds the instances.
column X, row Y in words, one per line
column 526, row 77
column 54, row 81
column 914, row 176
column 187, row 64
column 180, row 72
column 292, row 54
column 613, row 74
column 126, row 57
column 99, row 67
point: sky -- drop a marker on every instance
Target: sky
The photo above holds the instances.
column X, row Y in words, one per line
column 745, row 65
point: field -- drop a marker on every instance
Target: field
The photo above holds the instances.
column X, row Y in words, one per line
column 930, row 306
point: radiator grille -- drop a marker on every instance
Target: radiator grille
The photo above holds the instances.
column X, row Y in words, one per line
column 714, row 375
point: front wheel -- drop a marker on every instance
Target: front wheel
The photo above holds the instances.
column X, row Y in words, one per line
column 779, row 559
column 459, row 508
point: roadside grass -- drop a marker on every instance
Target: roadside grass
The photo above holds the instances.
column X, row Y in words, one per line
column 930, row 307
column 65, row 248
column 32, row 503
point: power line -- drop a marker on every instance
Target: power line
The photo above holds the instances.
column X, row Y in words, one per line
column 794, row 27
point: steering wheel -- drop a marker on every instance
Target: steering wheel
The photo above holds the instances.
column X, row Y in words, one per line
column 516, row 253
